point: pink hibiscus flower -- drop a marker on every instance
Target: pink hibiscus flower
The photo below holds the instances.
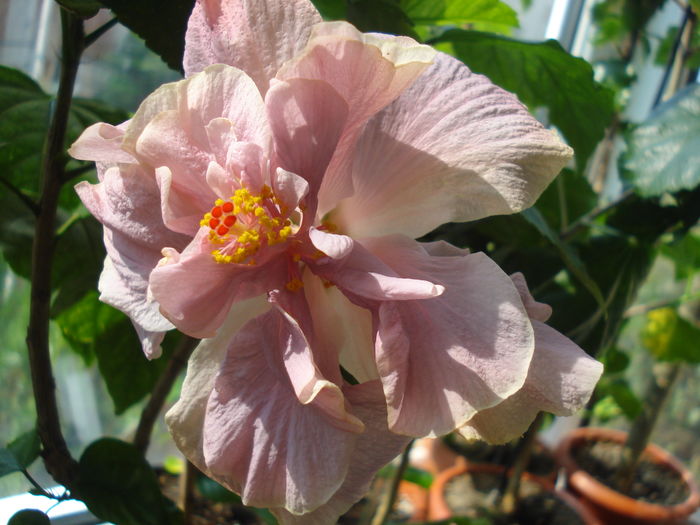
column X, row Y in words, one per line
column 267, row 204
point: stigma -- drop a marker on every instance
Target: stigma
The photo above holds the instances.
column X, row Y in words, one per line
column 245, row 223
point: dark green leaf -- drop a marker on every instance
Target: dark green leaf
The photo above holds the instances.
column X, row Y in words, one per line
column 29, row 517
column 331, row 9
column 8, row 463
column 89, row 111
column 118, row 485
column 625, row 398
column 569, row 256
column 213, row 491
column 96, row 329
column 384, row 16
column 17, row 232
column 161, row 23
column 542, row 75
column 78, row 262
column 664, row 151
column 82, row 8
column 459, row 12
column 26, row 448
column 566, row 199
column 615, row 361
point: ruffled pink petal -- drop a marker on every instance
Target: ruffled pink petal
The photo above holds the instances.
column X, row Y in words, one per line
column 442, row 360
column 362, row 274
column 368, row 72
column 185, row 419
column 101, row 142
column 195, row 293
column 126, row 203
column 374, row 449
column 537, row 311
column 560, row 380
column 289, row 188
column 307, row 118
column 259, row 439
column 452, row 147
column 333, row 245
column 257, row 36
column 342, row 326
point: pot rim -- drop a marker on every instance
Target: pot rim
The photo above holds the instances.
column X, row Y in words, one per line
column 604, row 496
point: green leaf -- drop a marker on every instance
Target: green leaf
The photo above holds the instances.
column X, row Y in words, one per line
column 566, row 199
column 384, row 16
column 623, row 395
column 685, row 253
column 331, row 9
column 26, row 448
column 571, row 259
column 542, row 75
column 669, row 337
column 459, row 12
column 213, row 491
column 78, row 261
column 82, row 8
column 118, row 485
column 17, row 232
column 664, row 151
column 161, row 23
column 29, row 517
column 615, row 361
column 8, row 463
column 96, row 330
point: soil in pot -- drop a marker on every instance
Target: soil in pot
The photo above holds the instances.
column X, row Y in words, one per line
column 474, row 494
column 653, row 482
column 542, row 462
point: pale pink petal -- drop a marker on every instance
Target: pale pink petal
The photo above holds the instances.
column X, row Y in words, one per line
column 220, row 134
column 307, row 119
column 218, row 179
column 126, row 203
column 259, row 439
column 453, row 147
column 537, row 311
column 342, row 326
column 362, row 274
column 560, row 380
column 219, row 92
column 100, row 142
column 257, row 36
column 289, row 188
column 247, row 162
column 442, row 360
column 368, row 72
column 185, row 419
column 181, row 210
column 333, row 245
column 195, row 293
column 374, row 448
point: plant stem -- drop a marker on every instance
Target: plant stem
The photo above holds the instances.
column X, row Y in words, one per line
column 511, row 493
column 57, row 458
column 162, row 388
column 660, row 386
column 389, row 498
column 97, row 33
column 186, row 496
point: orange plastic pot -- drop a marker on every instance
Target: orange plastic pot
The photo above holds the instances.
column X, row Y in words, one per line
column 439, row 510
column 614, row 507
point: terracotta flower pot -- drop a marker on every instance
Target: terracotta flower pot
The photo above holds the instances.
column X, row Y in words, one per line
column 614, row 507
column 438, row 509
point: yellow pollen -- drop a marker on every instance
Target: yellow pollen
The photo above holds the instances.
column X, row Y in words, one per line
column 244, row 223
column 294, row 285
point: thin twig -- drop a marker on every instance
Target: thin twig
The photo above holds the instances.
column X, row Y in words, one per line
column 389, row 498
column 57, row 458
column 97, row 33
column 162, row 388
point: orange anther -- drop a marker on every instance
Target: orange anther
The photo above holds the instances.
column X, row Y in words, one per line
column 229, row 220
column 216, row 211
column 227, row 207
column 213, row 223
column 223, row 230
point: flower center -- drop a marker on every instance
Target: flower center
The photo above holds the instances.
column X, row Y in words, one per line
column 245, row 223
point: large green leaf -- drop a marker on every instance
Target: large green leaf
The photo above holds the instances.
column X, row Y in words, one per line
column 459, row 12
column 331, row 9
column 685, row 254
column 29, row 517
column 384, row 16
column 118, row 485
column 161, row 23
column 542, row 75
column 669, row 337
column 96, row 330
column 82, row 8
column 664, row 151
column 20, row 453
column 16, row 233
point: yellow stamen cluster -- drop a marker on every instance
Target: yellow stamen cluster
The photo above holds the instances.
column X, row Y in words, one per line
column 294, row 285
column 257, row 221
